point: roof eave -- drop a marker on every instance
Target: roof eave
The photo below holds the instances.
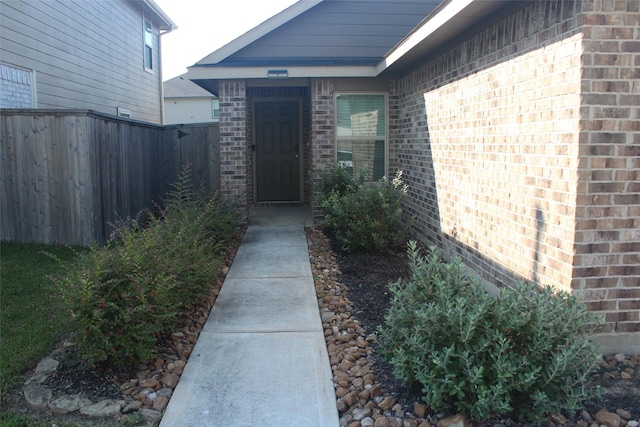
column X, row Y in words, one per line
column 199, row 72
column 166, row 24
column 445, row 23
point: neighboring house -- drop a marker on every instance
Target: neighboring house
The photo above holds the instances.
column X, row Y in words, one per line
column 515, row 123
column 94, row 55
column 186, row 102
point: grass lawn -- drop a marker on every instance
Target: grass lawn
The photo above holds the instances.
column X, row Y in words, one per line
column 31, row 318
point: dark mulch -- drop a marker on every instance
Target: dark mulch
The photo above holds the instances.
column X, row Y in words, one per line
column 97, row 383
column 367, row 275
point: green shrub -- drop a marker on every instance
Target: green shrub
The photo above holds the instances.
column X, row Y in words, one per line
column 363, row 215
column 522, row 354
column 336, row 180
column 123, row 295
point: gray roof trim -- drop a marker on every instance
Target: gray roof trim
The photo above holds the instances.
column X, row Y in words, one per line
column 259, row 31
column 294, row 62
column 233, row 73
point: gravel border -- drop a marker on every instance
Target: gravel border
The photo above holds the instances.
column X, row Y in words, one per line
column 361, row 397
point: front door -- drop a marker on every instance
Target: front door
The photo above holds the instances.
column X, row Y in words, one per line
column 277, row 151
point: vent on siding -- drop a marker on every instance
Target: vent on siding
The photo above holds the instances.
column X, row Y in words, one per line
column 124, row 113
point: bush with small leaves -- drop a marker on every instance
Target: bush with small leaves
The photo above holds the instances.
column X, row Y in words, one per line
column 364, row 215
column 334, row 179
column 522, row 354
column 123, row 295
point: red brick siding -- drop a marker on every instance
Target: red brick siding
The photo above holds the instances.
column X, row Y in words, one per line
column 233, row 143
column 607, row 241
column 492, row 165
column 520, row 146
column 322, row 128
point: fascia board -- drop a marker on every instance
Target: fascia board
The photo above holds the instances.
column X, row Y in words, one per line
column 230, row 73
column 441, row 20
column 259, row 31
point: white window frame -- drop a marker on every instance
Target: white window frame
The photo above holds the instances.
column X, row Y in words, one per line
column 33, row 92
column 364, row 138
column 215, row 108
column 146, row 47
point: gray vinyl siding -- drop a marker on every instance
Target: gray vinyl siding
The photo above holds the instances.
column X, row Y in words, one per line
column 86, row 54
column 341, row 29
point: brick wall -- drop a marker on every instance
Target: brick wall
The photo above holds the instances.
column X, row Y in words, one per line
column 234, row 151
column 323, row 151
column 494, row 137
column 607, row 241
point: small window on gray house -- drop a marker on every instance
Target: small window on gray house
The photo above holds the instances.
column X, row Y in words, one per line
column 17, row 87
column 362, row 133
column 148, row 46
column 215, row 108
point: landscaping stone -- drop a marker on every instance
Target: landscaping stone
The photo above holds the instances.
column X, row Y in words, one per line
column 608, row 419
column 150, row 383
column 586, row 416
column 170, row 380
column 624, row 414
column 386, row 403
column 47, row 365
column 455, row 421
column 361, row 413
column 420, row 409
column 104, row 408
column 37, row 396
column 132, row 407
column 150, row 415
column 558, row 419
column 159, row 403
column 367, row 422
column 66, row 404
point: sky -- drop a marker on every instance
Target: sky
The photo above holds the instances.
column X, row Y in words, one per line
column 206, row 25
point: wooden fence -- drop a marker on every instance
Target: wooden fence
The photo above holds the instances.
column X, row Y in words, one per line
column 66, row 176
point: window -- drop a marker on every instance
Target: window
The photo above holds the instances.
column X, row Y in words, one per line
column 148, row 46
column 17, row 87
column 215, row 108
column 362, row 133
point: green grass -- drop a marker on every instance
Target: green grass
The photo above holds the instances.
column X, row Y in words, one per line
column 12, row 420
column 31, row 318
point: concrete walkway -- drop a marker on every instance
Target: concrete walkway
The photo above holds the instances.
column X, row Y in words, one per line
column 261, row 359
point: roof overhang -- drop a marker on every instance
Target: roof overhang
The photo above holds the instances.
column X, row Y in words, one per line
column 448, row 22
column 208, row 77
column 197, row 72
column 166, row 24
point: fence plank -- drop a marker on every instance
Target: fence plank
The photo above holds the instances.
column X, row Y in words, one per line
column 9, row 196
column 66, row 175
column 41, row 172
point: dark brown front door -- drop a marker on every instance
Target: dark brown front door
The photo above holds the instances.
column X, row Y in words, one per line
column 277, row 151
